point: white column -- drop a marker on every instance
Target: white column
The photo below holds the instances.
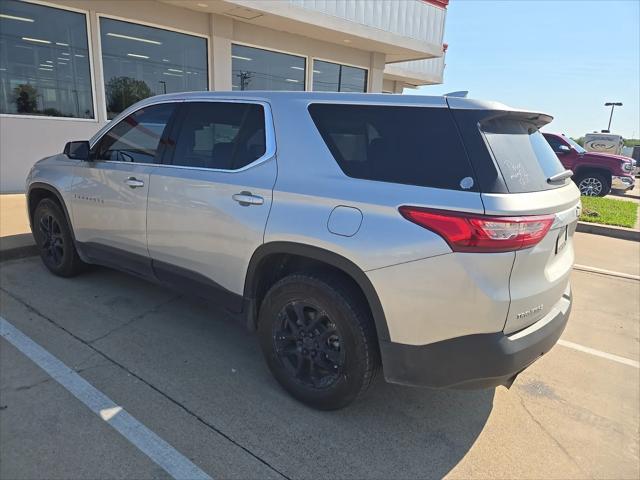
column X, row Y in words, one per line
column 376, row 72
column 221, row 32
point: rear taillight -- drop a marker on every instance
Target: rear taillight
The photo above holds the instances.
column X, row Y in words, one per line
column 478, row 233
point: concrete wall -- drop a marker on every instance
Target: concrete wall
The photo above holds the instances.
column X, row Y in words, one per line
column 24, row 140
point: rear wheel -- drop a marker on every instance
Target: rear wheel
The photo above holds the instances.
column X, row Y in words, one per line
column 318, row 340
column 593, row 184
column 53, row 238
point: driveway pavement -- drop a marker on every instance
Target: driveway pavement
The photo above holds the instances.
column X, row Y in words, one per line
column 182, row 369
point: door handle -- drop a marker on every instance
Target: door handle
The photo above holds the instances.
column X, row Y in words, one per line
column 247, row 198
column 133, row 182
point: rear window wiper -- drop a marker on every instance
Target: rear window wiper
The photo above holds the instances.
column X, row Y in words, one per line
column 560, row 177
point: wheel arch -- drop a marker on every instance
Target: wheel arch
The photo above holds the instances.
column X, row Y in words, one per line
column 37, row 192
column 581, row 170
column 268, row 260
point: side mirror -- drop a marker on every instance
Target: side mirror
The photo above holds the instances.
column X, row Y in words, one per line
column 77, row 150
column 562, row 149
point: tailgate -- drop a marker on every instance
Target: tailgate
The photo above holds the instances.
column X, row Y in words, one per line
column 520, row 175
column 540, row 275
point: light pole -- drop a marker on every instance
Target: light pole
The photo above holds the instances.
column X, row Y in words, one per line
column 612, row 105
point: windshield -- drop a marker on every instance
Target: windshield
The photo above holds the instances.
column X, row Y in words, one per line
column 575, row 145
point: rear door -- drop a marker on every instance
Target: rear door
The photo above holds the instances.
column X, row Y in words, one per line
column 208, row 205
column 521, row 162
column 109, row 194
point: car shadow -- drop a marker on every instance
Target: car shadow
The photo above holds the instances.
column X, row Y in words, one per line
column 203, row 360
column 195, row 352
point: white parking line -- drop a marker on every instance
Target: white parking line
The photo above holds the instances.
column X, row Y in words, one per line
column 587, row 268
column 598, row 353
column 159, row 451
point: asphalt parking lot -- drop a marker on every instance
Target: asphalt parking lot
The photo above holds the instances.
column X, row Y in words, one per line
column 195, row 381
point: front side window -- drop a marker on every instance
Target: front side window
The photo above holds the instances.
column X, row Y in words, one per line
column 258, row 69
column 136, row 138
column 575, row 145
column 554, row 142
column 220, row 135
column 44, row 61
column 141, row 61
column 333, row 77
column 398, row 144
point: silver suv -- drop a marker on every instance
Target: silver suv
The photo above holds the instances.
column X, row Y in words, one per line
column 427, row 236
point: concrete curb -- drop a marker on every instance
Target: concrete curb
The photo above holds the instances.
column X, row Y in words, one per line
column 17, row 246
column 18, row 252
column 609, row 231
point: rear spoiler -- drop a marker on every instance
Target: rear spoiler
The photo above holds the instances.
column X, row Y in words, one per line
column 498, row 110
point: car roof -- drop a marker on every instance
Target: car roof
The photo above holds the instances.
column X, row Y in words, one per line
column 342, row 97
column 456, row 103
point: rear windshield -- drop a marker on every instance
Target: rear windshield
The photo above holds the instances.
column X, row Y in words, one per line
column 525, row 158
column 410, row 145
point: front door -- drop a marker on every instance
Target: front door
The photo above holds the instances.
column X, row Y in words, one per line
column 109, row 193
column 208, row 207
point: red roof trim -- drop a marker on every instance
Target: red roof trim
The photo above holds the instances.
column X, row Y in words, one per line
column 438, row 3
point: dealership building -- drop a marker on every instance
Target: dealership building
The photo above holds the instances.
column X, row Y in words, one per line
column 69, row 66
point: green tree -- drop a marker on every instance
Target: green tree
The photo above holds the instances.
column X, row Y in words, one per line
column 579, row 141
column 25, row 97
column 125, row 91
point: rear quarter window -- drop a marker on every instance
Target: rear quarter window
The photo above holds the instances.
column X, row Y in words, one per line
column 525, row 158
column 398, row 144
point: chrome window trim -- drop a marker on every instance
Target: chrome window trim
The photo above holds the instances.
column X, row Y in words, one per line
column 269, row 133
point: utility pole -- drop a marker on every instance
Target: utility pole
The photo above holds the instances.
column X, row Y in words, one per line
column 612, row 105
column 245, row 78
column 164, row 85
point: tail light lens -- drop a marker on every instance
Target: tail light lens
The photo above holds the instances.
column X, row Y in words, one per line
column 478, row 233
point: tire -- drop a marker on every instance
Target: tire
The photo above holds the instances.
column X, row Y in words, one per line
column 332, row 358
column 54, row 240
column 593, row 184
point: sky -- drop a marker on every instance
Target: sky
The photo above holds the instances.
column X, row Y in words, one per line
column 563, row 57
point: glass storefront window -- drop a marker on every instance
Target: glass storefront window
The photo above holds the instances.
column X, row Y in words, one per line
column 258, row 69
column 333, row 77
column 44, row 61
column 140, row 61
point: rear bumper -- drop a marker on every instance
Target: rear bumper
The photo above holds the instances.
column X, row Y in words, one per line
column 624, row 182
column 475, row 361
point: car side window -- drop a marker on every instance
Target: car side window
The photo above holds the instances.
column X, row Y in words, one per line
column 554, row 142
column 136, row 138
column 220, row 135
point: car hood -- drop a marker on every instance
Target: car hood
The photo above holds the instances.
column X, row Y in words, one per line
column 606, row 156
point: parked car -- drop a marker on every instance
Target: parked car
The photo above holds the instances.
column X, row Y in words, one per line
column 353, row 232
column 596, row 174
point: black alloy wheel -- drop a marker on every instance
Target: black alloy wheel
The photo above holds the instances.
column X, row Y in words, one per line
column 308, row 344
column 318, row 338
column 54, row 239
column 52, row 245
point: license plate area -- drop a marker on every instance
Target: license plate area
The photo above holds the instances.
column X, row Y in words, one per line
column 561, row 241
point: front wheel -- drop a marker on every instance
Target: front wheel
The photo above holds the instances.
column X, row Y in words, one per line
column 54, row 240
column 318, row 340
column 593, row 184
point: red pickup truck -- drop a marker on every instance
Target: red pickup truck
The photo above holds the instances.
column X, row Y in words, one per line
column 596, row 174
